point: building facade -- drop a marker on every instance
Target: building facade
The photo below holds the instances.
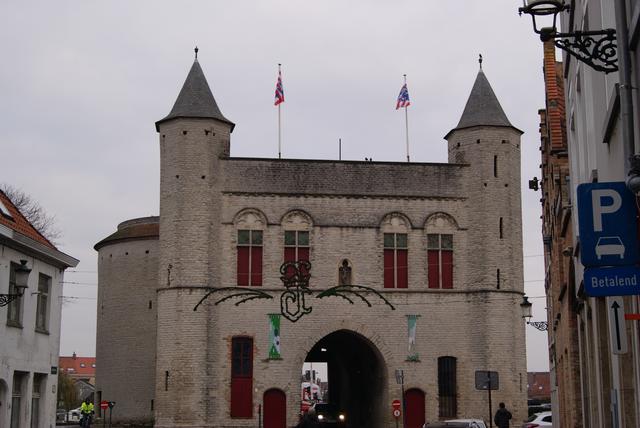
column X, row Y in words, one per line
column 30, row 326
column 601, row 137
column 395, row 266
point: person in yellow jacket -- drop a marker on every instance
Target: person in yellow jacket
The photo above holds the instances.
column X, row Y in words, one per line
column 86, row 410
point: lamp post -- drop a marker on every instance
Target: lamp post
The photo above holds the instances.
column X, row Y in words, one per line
column 21, row 277
column 526, row 314
column 598, row 48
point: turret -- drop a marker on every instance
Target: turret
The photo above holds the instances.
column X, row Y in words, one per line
column 194, row 136
column 486, row 140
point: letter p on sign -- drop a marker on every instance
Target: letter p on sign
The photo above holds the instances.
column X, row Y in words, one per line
column 598, row 197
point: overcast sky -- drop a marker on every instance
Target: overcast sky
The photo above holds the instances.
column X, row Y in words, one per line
column 82, row 83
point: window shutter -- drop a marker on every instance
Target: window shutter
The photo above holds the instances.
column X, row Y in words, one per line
column 243, row 266
column 447, row 269
column 389, row 272
column 242, row 377
column 433, row 266
column 256, row 266
column 402, row 263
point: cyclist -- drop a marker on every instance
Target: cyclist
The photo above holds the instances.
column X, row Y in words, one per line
column 86, row 410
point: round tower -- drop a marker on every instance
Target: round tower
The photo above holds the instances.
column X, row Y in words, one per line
column 487, row 142
column 193, row 138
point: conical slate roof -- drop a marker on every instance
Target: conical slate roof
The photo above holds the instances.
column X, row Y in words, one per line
column 195, row 99
column 482, row 108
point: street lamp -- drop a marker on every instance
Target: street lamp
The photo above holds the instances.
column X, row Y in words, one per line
column 526, row 314
column 597, row 49
column 21, row 277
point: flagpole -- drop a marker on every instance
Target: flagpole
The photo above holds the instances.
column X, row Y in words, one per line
column 279, row 125
column 406, row 121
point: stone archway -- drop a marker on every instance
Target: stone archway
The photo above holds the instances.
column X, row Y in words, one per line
column 356, row 376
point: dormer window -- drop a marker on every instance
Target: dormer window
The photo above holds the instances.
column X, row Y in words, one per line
column 5, row 211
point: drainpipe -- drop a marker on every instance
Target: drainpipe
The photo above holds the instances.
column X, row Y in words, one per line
column 632, row 163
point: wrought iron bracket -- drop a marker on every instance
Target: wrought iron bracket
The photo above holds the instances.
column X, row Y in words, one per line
column 5, row 299
column 539, row 325
column 597, row 49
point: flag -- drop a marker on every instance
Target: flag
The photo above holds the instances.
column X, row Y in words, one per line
column 274, row 336
column 279, row 90
column 403, row 98
column 412, row 325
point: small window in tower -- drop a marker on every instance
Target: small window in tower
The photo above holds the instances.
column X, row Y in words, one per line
column 498, row 279
column 500, row 226
column 495, row 166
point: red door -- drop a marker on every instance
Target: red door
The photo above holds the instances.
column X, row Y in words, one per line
column 414, row 404
column 275, row 409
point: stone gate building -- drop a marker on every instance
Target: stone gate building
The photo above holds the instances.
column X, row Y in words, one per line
column 427, row 258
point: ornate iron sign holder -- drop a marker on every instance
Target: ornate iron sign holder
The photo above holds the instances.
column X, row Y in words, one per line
column 293, row 301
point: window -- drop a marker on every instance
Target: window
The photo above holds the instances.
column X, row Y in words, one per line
column 39, row 380
column 241, row 377
column 82, row 365
column 16, row 398
column 14, row 310
column 4, row 211
column 44, row 285
column 296, row 245
column 501, row 229
column 447, row 387
column 395, row 260
column 440, row 260
column 495, row 166
column 249, row 257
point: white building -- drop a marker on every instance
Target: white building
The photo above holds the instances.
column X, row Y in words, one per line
column 30, row 323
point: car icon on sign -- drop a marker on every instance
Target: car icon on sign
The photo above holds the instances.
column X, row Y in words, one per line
column 609, row 246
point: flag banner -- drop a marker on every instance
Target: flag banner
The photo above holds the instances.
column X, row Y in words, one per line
column 279, row 90
column 274, row 336
column 412, row 322
column 403, row 97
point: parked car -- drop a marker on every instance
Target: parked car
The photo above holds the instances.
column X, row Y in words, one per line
column 327, row 415
column 457, row 423
column 61, row 415
column 74, row 415
column 542, row 419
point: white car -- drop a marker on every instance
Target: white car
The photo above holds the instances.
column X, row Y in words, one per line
column 458, row 423
column 74, row 415
column 472, row 423
column 542, row 419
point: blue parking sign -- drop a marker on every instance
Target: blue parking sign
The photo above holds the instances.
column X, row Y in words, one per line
column 608, row 225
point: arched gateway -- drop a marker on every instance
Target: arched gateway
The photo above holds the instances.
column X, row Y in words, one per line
column 356, row 376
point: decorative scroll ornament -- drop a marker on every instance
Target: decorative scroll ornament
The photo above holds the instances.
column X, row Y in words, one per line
column 598, row 49
column 293, row 304
column 539, row 325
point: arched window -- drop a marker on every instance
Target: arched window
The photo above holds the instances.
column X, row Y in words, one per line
column 296, row 225
column 440, row 236
column 396, row 251
column 249, row 246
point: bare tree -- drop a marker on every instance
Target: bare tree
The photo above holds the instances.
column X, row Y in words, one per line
column 33, row 212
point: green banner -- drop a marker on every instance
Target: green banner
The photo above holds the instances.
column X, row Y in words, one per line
column 412, row 323
column 274, row 336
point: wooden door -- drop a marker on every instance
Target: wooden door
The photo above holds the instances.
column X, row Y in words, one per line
column 275, row 409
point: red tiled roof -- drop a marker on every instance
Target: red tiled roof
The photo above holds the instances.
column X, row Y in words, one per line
column 19, row 223
column 84, row 366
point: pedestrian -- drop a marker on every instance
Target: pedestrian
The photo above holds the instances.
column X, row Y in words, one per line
column 86, row 410
column 502, row 417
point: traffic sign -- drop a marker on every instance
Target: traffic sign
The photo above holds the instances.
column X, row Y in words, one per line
column 487, row 380
column 396, row 413
column 612, row 281
column 607, row 220
column 617, row 330
column 104, row 404
column 395, row 404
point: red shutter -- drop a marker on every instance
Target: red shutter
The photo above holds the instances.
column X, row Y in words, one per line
column 256, row 266
column 389, row 271
column 402, row 262
column 303, row 253
column 241, row 397
column 243, row 266
column 433, row 266
column 289, row 254
column 447, row 269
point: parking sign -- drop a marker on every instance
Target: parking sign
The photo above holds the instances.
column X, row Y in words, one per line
column 607, row 224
